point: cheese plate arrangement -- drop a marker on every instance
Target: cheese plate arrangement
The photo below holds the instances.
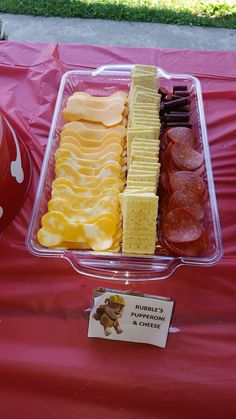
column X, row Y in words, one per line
column 126, row 190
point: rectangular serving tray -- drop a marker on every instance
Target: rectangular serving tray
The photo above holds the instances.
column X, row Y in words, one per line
column 118, row 266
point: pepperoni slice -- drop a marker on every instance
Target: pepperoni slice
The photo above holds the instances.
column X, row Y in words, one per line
column 192, row 249
column 180, row 135
column 172, row 167
column 164, row 203
column 165, row 181
column 164, row 142
column 185, row 157
column 166, row 157
column 200, row 170
column 188, row 200
column 187, row 180
column 181, row 226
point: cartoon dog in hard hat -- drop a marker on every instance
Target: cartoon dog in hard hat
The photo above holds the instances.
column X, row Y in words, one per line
column 109, row 313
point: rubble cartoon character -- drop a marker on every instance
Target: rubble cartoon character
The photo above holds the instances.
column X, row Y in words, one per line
column 109, row 313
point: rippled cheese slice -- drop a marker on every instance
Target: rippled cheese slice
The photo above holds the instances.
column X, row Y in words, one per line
column 111, row 148
column 119, row 96
column 56, row 228
column 92, row 131
column 80, row 100
column 63, row 191
column 115, row 247
column 78, row 140
column 69, row 172
column 90, row 191
column 61, row 153
column 111, row 115
column 86, row 149
column 104, row 206
column 113, row 165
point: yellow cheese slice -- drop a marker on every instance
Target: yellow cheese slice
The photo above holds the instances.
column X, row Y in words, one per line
column 115, row 247
column 57, row 228
column 111, row 115
column 91, row 130
column 114, row 137
column 88, row 149
column 90, row 191
column 111, row 148
column 79, row 99
column 67, row 171
column 118, row 94
column 63, row 191
column 86, row 142
column 103, row 206
column 61, row 153
column 89, row 171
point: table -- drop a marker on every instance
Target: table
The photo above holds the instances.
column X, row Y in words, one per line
column 48, row 366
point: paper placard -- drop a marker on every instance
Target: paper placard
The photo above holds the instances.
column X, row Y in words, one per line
column 132, row 318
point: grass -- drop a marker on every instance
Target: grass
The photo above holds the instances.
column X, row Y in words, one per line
column 181, row 12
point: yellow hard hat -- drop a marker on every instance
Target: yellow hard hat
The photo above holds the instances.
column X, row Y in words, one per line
column 118, row 299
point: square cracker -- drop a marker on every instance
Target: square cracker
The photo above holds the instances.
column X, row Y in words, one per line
column 139, row 224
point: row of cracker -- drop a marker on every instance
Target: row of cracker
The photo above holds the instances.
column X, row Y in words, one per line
column 84, row 210
column 139, row 200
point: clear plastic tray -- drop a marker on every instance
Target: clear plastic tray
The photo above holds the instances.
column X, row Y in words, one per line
column 117, row 266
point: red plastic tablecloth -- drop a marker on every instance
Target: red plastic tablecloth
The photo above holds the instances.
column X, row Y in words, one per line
column 48, row 366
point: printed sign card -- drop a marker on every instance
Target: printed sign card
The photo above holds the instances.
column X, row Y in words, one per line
column 130, row 317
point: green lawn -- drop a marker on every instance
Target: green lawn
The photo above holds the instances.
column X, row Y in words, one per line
column 183, row 12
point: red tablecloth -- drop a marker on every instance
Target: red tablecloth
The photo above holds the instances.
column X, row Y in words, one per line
column 48, row 366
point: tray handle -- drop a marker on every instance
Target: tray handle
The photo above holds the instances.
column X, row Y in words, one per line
column 125, row 68
column 120, row 270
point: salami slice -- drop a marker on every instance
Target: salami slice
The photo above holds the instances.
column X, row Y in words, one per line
column 181, row 226
column 180, row 135
column 187, row 180
column 185, row 157
column 191, row 249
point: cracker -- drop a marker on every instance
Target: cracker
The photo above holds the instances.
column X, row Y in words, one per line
column 140, row 214
column 140, row 97
column 144, row 168
column 131, row 134
column 142, row 157
column 148, row 81
column 147, row 68
column 139, row 189
column 146, row 112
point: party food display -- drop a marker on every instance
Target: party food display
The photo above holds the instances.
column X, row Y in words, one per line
column 129, row 173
